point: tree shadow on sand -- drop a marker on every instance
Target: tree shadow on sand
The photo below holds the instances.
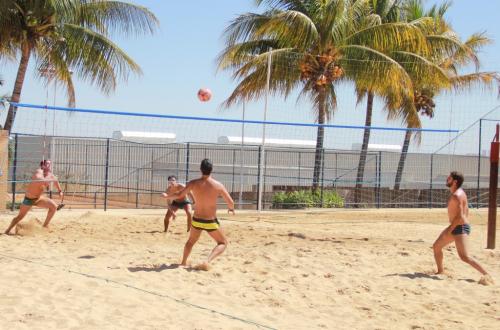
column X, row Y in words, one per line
column 152, row 268
column 415, row 275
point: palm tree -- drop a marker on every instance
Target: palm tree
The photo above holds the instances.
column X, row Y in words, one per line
column 417, row 65
column 72, row 35
column 315, row 45
column 449, row 62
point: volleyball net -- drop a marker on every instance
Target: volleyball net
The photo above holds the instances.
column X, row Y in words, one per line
column 119, row 159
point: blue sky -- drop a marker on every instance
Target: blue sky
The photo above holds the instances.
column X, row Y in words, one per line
column 180, row 59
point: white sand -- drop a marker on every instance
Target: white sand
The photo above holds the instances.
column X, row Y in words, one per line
column 297, row 270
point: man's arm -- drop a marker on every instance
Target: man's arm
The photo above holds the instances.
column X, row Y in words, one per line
column 458, row 217
column 179, row 194
column 58, row 186
column 228, row 199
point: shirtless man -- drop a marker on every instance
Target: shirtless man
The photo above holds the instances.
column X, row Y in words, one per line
column 206, row 190
column 459, row 228
column 41, row 179
column 181, row 203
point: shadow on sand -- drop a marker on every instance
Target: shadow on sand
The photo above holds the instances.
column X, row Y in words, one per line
column 152, row 268
column 418, row 275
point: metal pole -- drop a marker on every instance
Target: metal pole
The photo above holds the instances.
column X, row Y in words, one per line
column 128, row 174
column 478, row 195
column 137, row 187
column 322, row 175
column 187, row 162
column 14, row 172
column 177, row 161
column 106, row 176
column 492, row 209
column 298, row 183
column 232, row 180
column 240, row 197
column 379, row 177
column 268, row 81
column 86, row 174
column 151, row 176
column 259, row 169
column 431, row 181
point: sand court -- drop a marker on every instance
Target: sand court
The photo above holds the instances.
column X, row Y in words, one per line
column 369, row 269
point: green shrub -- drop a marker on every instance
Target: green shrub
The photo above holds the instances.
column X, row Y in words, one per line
column 306, row 198
column 16, row 205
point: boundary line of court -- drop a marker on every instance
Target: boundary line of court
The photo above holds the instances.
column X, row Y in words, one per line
column 107, row 280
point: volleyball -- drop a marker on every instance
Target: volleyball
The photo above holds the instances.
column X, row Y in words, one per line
column 204, row 94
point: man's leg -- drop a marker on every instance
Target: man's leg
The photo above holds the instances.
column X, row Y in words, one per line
column 221, row 240
column 23, row 210
column 194, row 235
column 461, row 242
column 47, row 203
column 187, row 209
column 443, row 240
column 166, row 220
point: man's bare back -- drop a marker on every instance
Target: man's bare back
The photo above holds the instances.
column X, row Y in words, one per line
column 207, row 191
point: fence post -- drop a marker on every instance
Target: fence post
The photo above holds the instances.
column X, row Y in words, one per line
column 478, row 195
column 151, row 177
column 4, row 168
column 137, row 187
column 128, row 172
column 300, row 154
column 322, row 175
column 431, row 181
column 379, row 177
column 14, row 173
column 492, row 203
column 187, row 162
column 177, row 159
column 234, row 161
column 258, row 177
column 86, row 174
column 106, row 176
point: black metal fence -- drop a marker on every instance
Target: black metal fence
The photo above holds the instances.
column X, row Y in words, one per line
column 103, row 173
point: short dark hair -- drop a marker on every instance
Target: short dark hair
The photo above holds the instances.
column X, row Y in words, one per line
column 170, row 177
column 206, row 166
column 459, row 177
column 44, row 162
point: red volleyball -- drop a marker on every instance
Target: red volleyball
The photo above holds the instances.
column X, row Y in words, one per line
column 204, row 94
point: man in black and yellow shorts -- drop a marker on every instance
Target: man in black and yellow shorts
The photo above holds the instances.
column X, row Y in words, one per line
column 206, row 190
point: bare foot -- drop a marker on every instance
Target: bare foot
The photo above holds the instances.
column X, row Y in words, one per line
column 185, row 266
column 203, row 266
column 486, row 280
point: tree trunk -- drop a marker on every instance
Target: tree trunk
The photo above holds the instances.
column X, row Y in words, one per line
column 402, row 160
column 18, row 86
column 318, row 157
column 364, row 150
